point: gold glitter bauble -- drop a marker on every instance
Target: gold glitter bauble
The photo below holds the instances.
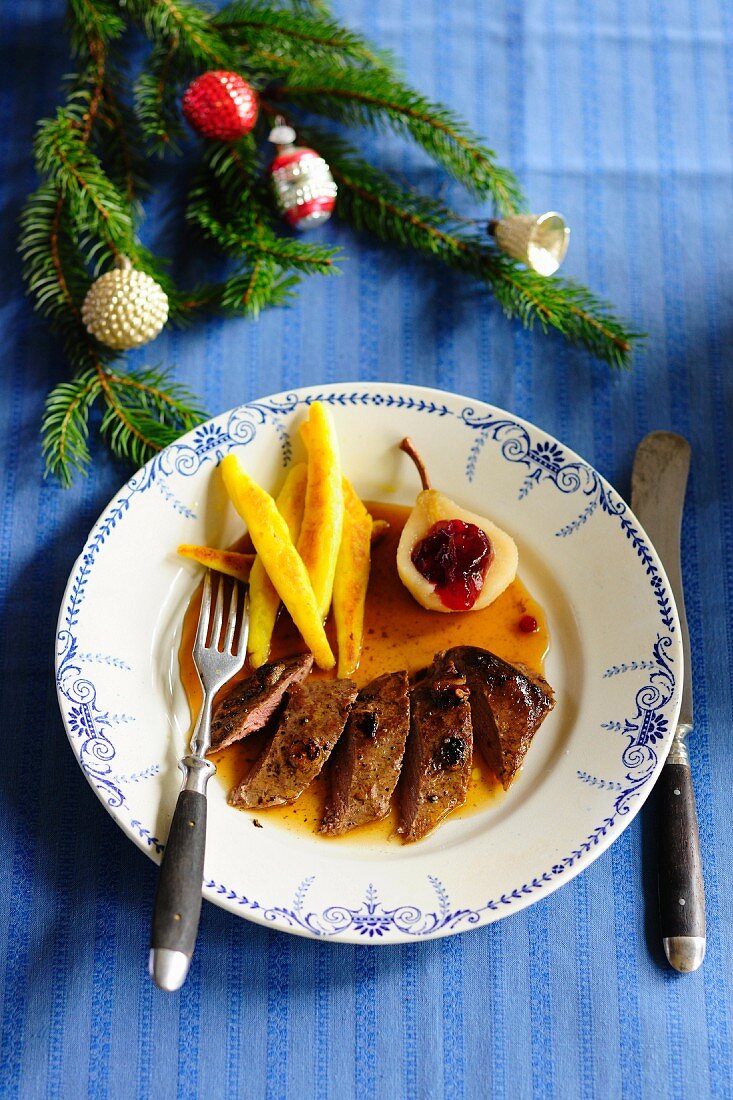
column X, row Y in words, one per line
column 125, row 308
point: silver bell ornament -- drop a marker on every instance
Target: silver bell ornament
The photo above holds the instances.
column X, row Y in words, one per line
column 124, row 308
column 538, row 240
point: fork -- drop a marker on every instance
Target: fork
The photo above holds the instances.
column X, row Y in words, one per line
column 178, row 897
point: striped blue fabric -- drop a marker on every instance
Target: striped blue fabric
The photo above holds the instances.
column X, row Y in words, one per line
column 620, row 115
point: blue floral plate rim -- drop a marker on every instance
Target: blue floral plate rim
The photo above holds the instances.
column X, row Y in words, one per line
column 378, row 907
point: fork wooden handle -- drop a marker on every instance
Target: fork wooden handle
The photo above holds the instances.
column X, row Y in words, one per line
column 178, row 898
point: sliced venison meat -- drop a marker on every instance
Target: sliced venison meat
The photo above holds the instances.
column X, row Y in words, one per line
column 253, row 701
column 437, row 766
column 509, row 703
column 313, row 721
column 366, row 764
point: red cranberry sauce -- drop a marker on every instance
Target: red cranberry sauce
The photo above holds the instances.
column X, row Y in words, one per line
column 455, row 556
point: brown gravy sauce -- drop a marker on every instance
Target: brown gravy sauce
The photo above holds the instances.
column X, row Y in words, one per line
column 398, row 633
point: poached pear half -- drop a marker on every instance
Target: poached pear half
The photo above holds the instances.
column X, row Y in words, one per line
column 451, row 559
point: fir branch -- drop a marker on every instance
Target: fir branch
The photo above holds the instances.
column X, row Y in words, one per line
column 65, row 425
column 252, row 237
column 263, row 280
column 145, row 412
column 262, row 284
column 96, row 106
column 82, row 215
column 99, row 60
column 298, row 35
column 52, row 267
column 236, row 167
column 203, row 298
column 62, row 153
column 310, row 259
column 115, row 149
column 190, row 25
column 372, row 201
column 95, row 20
column 117, row 139
column 230, row 206
column 157, row 96
column 59, row 283
column 563, row 305
column 372, row 98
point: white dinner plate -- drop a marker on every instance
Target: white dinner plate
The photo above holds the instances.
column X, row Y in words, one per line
column 615, row 664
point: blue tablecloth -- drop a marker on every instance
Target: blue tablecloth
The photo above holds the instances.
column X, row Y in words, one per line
column 620, row 115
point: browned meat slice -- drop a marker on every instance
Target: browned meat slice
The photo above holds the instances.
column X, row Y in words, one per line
column 314, row 719
column 253, row 701
column 509, row 703
column 437, row 764
column 366, row 765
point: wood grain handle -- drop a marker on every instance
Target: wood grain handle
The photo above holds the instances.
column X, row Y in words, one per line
column 681, row 891
column 178, row 898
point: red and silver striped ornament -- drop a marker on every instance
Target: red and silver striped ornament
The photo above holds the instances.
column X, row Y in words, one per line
column 302, row 183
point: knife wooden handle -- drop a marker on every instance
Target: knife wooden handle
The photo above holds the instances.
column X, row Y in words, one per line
column 178, row 898
column 681, row 892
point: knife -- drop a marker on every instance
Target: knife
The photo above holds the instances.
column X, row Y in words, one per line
column 658, row 482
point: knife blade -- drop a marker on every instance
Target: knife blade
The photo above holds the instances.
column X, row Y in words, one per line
column 658, row 484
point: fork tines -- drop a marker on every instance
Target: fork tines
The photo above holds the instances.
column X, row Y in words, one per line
column 209, row 630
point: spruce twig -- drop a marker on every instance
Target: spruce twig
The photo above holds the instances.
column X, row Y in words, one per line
column 65, row 425
column 71, row 223
column 82, row 216
column 156, row 99
column 373, row 98
column 145, row 412
column 371, row 201
column 190, row 25
column 229, row 206
column 285, row 34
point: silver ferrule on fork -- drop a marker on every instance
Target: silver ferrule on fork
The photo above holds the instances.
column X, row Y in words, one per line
column 197, row 771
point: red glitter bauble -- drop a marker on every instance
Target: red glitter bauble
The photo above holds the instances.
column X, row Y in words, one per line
column 220, row 105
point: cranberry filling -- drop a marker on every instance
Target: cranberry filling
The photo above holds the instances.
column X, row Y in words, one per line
column 455, row 556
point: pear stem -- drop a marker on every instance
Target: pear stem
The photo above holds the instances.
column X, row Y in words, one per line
column 409, row 448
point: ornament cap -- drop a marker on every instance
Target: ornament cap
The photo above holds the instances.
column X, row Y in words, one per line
column 282, row 134
column 538, row 240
